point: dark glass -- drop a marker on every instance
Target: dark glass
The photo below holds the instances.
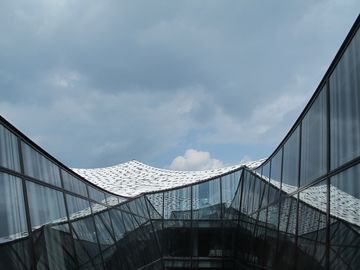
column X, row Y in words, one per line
column 313, row 141
column 290, row 175
column 312, row 227
column 248, row 193
column 46, row 205
column 345, row 210
column 104, row 230
column 39, row 167
column 86, row 244
column 9, row 151
column 73, row 184
column 118, row 222
column 49, row 255
column 345, row 106
column 13, row 223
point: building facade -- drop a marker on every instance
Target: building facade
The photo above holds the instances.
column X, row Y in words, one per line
column 298, row 209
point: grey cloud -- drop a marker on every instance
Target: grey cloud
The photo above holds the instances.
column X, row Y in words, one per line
column 99, row 82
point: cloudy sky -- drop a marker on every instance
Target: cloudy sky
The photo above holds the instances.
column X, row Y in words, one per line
column 175, row 84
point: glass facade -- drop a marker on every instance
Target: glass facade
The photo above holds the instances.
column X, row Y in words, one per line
column 298, row 210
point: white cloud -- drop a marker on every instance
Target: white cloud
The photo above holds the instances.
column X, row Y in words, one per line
column 194, row 160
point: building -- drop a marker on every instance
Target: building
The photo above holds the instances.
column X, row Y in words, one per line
column 298, row 209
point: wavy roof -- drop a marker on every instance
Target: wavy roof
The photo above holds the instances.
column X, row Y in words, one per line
column 132, row 178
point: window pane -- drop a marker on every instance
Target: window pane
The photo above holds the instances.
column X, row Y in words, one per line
column 46, row 205
column 313, row 144
column 77, row 207
column 266, row 171
column 96, row 195
column 73, row 184
column 12, row 211
column 229, row 185
column 177, row 203
column 275, row 177
column 345, row 195
column 206, row 200
column 345, row 106
column 9, row 152
column 38, row 166
column 291, row 162
column 345, row 206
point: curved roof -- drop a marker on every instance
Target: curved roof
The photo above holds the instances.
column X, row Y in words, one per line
column 132, row 178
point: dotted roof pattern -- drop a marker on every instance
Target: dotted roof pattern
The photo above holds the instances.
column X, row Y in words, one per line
column 132, row 178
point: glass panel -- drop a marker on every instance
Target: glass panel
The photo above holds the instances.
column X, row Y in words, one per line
column 73, row 184
column 96, row 194
column 86, row 245
column 266, row 171
column 345, row 106
column 12, row 210
column 97, row 207
column 111, row 200
column 229, row 185
column 290, row 175
column 104, row 232
column 177, row 203
column 77, row 207
column 206, row 200
column 345, row 195
column 53, row 248
column 312, row 226
column 9, row 152
column 46, row 205
column 275, row 178
column 156, row 200
column 38, row 166
column 118, row 222
column 313, row 144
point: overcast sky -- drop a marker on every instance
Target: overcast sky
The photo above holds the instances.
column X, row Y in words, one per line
column 175, row 84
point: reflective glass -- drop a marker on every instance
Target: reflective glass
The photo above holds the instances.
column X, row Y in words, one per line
column 73, row 184
column 313, row 144
column 266, row 171
column 177, row 203
column 290, row 175
column 275, row 172
column 39, row 167
column 229, row 185
column 312, row 225
column 206, row 202
column 53, row 248
column 345, row 106
column 9, row 152
column 156, row 200
column 12, row 210
column 46, row 205
column 345, row 195
column 77, row 207
column 96, row 194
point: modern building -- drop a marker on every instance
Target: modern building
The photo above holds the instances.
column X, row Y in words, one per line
column 298, row 209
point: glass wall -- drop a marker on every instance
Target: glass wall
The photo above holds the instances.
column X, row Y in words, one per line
column 298, row 210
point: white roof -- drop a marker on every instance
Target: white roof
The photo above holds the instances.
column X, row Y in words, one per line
column 133, row 177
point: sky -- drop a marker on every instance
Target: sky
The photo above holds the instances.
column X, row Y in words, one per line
column 182, row 85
